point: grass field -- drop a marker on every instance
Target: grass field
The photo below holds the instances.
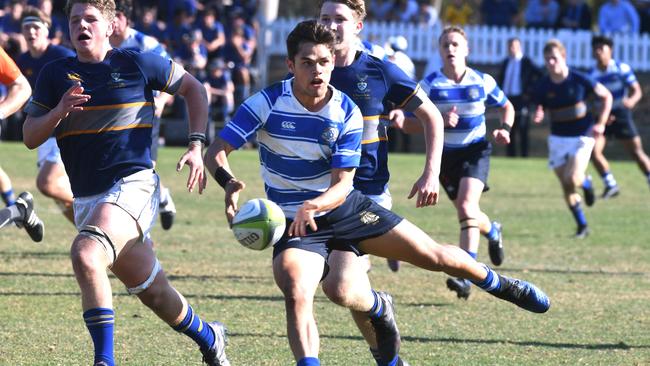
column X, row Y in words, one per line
column 600, row 286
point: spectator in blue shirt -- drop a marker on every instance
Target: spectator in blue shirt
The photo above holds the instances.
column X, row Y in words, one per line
column 213, row 32
column 575, row 15
column 149, row 25
column 618, row 16
column 542, row 13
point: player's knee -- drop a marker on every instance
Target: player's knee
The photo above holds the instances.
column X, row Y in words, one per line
column 44, row 185
column 337, row 293
column 92, row 248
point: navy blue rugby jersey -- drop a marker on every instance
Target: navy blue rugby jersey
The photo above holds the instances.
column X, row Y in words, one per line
column 111, row 138
column 31, row 67
column 376, row 87
column 565, row 103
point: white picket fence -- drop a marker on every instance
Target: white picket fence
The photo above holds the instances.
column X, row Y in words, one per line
column 488, row 45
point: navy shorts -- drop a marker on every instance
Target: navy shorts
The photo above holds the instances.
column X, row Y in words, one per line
column 343, row 228
column 472, row 161
column 623, row 126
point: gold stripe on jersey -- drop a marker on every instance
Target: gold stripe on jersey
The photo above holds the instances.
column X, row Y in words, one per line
column 117, row 106
column 108, row 129
column 169, row 79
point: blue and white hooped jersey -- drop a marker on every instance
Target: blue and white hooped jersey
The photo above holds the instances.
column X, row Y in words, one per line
column 470, row 96
column 298, row 148
column 140, row 42
column 617, row 78
column 111, row 137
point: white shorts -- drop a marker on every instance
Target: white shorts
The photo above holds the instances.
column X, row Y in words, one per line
column 49, row 152
column 562, row 148
column 138, row 195
column 384, row 200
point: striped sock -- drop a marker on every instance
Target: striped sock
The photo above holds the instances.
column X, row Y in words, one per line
column 491, row 281
column 308, row 361
column 493, row 234
column 377, row 307
column 100, row 324
column 195, row 328
column 8, row 197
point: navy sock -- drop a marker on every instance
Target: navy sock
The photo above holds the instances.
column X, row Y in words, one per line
column 493, row 234
column 579, row 215
column 195, row 328
column 586, row 184
column 377, row 308
column 491, row 281
column 308, row 361
column 8, row 197
column 472, row 254
column 100, row 324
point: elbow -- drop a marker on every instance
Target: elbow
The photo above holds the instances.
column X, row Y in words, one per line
column 29, row 142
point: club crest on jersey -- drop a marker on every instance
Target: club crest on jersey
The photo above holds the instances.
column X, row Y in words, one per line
column 473, row 93
column 368, row 218
column 330, row 134
column 116, row 80
column 443, row 94
column 74, row 77
column 362, row 84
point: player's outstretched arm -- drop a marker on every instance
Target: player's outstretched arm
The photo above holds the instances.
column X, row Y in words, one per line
column 502, row 133
column 17, row 95
column 196, row 99
column 38, row 129
column 427, row 187
column 216, row 162
column 334, row 196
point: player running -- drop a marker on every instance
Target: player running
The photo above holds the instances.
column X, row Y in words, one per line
column 99, row 105
column 620, row 80
column 563, row 94
column 309, row 136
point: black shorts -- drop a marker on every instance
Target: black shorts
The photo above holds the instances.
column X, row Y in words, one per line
column 472, row 161
column 623, row 126
column 155, row 133
column 343, row 228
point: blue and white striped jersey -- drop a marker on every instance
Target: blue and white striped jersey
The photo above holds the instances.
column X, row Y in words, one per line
column 138, row 41
column 617, row 78
column 470, row 96
column 298, row 148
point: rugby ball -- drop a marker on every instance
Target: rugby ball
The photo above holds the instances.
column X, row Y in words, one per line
column 258, row 224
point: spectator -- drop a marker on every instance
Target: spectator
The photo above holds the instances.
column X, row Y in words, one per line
column 149, row 25
column 499, row 12
column 59, row 32
column 396, row 52
column 426, row 15
column 542, row 13
column 10, row 29
column 214, row 37
column 575, row 15
column 220, row 90
column 192, row 53
column 516, row 75
column 239, row 50
column 457, row 12
column 179, row 29
column 401, row 10
column 618, row 16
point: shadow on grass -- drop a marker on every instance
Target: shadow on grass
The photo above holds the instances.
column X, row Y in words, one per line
column 171, row 277
column 567, row 345
column 5, row 254
column 572, row 271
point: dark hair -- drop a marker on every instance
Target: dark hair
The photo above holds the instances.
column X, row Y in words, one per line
column 601, row 40
column 125, row 7
column 357, row 6
column 106, row 7
column 309, row 31
column 31, row 11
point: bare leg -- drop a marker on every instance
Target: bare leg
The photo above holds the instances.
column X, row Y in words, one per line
column 53, row 182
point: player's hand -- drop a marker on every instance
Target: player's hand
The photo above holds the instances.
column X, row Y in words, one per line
column 451, row 117
column 598, row 130
column 501, row 136
column 304, row 217
column 427, row 189
column 193, row 159
column 539, row 114
column 71, row 101
column 233, row 188
column 627, row 103
column 396, row 117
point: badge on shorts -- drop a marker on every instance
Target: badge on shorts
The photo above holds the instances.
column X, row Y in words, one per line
column 368, row 217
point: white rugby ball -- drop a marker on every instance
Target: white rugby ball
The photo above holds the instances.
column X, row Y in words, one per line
column 258, row 224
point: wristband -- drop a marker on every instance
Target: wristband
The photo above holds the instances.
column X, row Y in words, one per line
column 222, row 176
column 197, row 136
column 506, row 127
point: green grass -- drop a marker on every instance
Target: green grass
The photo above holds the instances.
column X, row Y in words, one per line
column 599, row 286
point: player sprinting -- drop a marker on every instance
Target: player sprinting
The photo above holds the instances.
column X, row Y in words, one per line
column 99, row 105
column 620, row 80
column 18, row 91
column 51, row 180
column 309, row 136
column 462, row 94
column 562, row 94
column 128, row 38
